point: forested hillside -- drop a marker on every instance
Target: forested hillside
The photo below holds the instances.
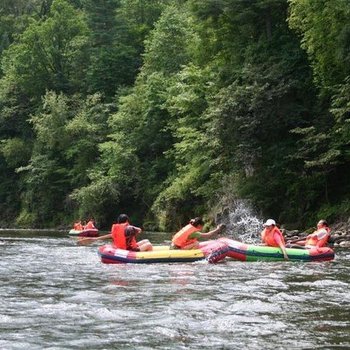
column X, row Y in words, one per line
column 165, row 109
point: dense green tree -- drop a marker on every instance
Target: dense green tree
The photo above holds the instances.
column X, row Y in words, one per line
column 195, row 149
column 49, row 54
column 87, row 131
column 133, row 162
column 15, row 16
column 68, row 131
column 118, row 29
column 168, row 109
column 324, row 147
column 263, row 77
column 325, row 32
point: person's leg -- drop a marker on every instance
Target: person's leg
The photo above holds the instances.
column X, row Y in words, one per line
column 194, row 245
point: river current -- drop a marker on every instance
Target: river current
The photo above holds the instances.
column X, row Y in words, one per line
column 57, row 295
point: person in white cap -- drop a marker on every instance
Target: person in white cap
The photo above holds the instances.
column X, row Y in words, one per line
column 273, row 237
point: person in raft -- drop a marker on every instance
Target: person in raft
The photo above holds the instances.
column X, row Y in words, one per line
column 123, row 235
column 273, row 237
column 90, row 225
column 318, row 238
column 187, row 237
column 78, row 226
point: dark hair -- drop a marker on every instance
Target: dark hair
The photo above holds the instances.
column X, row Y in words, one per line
column 197, row 222
column 122, row 218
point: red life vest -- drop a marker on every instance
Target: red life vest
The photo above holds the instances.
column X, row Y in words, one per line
column 181, row 238
column 89, row 225
column 318, row 238
column 119, row 239
column 268, row 237
column 78, row 226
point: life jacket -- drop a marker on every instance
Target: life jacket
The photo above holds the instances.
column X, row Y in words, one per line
column 181, row 238
column 268, row 237
column 318, row 238
column 119, row 239
column 78, row 226
column 89, row 225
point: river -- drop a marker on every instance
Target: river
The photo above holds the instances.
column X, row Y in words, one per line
column 57, row 295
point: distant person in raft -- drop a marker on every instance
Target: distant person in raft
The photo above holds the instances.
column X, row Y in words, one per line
column 273, row 237
column 187, row 237
column 90, row 225
column 78, row 226
column 123, row 235
column 318, row 238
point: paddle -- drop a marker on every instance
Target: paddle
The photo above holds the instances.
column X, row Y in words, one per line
column 88, row 240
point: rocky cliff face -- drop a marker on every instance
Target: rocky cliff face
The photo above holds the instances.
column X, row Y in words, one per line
column 340, row 235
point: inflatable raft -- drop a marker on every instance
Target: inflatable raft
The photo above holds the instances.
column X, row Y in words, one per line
column 248, row 252
column 92, row 232
column 213, row 251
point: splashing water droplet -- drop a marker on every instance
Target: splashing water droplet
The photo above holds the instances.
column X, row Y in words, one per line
column 241, row 222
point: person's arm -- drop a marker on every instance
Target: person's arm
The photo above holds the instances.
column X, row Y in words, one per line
column 137, row 230
column 218, row 229
column 283, row 248
column 278, row 240
column 321, row 234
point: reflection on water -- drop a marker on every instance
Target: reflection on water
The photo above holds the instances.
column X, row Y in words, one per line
column 56, row 295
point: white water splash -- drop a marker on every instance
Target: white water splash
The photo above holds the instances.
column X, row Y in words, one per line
column 241, row 222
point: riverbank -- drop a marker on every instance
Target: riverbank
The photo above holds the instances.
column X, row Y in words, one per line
column 340, row 233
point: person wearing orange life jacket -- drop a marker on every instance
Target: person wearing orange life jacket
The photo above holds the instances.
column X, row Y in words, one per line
column 123, row 235
column 273, row 237
column 318, row 238
column 187, row 237
column 78, row 226
column 90, row 225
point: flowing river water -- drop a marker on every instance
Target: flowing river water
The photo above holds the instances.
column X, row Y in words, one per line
column 57, row 295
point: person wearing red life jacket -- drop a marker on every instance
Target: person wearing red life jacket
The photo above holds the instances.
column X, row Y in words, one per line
column 123, row 235
column 187, row 237
column 90, row 225
column 319, row 238
column 273, row 237
column 78, row 226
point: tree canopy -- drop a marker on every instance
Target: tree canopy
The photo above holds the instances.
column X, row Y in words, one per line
column 169, row 109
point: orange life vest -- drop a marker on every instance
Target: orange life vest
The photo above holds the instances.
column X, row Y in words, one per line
column 318, row 239
column 268, row 237
column 78, row 226
column 89, row 225
column 181, row 238
column 119, row 239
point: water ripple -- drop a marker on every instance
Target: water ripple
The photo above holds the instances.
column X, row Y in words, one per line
column 55, row 295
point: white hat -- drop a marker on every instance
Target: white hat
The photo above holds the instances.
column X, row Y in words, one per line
column 270, row 222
